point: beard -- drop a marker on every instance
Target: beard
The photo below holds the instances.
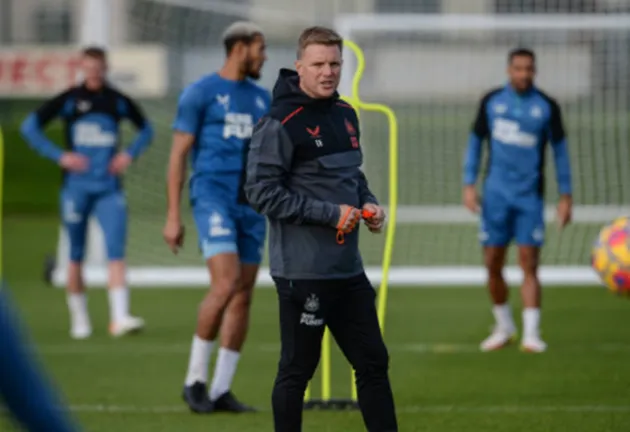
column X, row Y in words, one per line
column 251, row 71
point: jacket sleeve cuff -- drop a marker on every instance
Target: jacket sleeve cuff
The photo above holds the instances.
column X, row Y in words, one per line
column 325, row 213
column 370, row 199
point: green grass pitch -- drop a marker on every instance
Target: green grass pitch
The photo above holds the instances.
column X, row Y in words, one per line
column 441, row 382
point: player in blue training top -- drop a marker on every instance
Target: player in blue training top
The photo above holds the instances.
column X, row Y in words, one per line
column 93, row 166
column 215, row 120
column 518, row 120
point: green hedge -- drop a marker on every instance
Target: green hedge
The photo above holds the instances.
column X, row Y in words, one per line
column 31, row 183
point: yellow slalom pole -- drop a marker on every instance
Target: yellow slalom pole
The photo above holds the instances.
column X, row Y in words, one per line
column 307, row 393
column 393, row 205
column 390, row 235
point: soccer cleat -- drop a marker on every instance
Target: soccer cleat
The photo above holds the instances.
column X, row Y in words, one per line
column 81, row 330
column 499, row 338
column 227, row 402
column 127, row 326
column 533, row 344
column 197, row 399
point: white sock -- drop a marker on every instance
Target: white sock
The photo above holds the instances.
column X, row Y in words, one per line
column 199, row 360
column 503, row 316
column 531, row 321
column 224, row 371
column 118, row 304
column 77, row 305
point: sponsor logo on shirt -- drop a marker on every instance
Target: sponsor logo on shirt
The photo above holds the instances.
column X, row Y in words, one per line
column 509, row 132
column 238, row 125
column 87, row 134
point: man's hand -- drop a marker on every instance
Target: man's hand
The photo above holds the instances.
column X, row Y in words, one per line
column 120, row 163
column 374, row 223
column 470, row 198
column 565, row 208
column 174, row 234
column 74, row 162
column 348, row 218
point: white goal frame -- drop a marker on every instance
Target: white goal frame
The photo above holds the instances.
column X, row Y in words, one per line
column 349, row 26
column 95, row 271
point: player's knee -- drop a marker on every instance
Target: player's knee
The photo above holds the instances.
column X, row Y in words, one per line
column 373, row 362
column 308, row 370
column 528, row 261
column 529, row 270
column 530, row 274
column 225, row 272
column 224, row 288
column 495, row 268
column 242, row 300
column 494, row 259
column 298, row 373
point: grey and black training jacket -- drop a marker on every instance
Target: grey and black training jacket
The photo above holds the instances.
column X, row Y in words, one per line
column 303, row 162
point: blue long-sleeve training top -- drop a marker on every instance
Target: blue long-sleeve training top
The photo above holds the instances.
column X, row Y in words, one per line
column 518, row 126
column 92, row 121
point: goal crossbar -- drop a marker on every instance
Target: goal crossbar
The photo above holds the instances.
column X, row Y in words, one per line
column 349, row 24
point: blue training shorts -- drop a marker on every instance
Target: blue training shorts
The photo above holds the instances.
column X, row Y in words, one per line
column 234, row 228
column 110, row 209
column 503, row 220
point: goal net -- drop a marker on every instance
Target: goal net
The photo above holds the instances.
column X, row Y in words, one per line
column 432, row 70
column 190, row 32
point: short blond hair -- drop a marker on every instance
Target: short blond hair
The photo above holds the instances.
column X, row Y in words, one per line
column 240, row 31
column 318, row 36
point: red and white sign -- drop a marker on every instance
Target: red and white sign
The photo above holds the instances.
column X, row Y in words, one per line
column 37, row 72
column 34, row 73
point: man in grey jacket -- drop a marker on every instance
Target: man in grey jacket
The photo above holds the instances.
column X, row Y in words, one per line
column 303, row 173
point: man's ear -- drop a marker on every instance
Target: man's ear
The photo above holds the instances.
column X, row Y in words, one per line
column 298, row 67
column 239, row 50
